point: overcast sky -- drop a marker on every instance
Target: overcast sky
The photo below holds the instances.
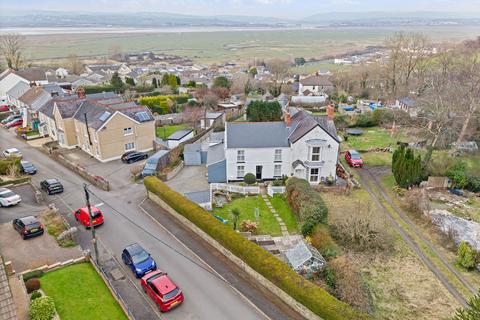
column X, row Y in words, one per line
column 274, row 8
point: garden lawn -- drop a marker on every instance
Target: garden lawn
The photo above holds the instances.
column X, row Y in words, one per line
column 280, row 204
column 167, row 130
column 267, row 222
column 377, row 158
column 375, row 137
column 80, row 293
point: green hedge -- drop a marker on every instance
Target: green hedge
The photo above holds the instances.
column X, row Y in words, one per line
column 16, row 181
column 310, row 295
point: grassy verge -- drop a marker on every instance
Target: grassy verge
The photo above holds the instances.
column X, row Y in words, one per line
column 280, row 204
column 55, row 226
column 377, row 159
column 267, row 224
column 80, row 293
column 167, row 130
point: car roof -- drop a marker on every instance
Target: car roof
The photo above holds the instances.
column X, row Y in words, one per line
column 4, row 190
column 12, row 150
column 52, row 181
column 163, row 283
column 92, row 207
column 28, row 219
column 134, row 248
column 25, row 162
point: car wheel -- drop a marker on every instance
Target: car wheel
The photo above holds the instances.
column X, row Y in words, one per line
column 23, row 237
column 145, row 157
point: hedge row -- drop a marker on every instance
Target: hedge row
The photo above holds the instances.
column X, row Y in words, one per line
column 307, row 204
column 313, row 297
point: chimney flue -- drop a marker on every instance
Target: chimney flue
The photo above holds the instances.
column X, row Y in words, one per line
column 288, row 119
column 330, row 112
column 81, row 93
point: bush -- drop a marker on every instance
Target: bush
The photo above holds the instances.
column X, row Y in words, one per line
column 42, row 308
column 324, row 243
column 248, row 226
column 305, row 201
column 458, row 174
column 32, row 285
column 366, row 120
column 277, row 183
column 250, row 178
column 6, row 164
column 32, row 274
column 35, row 295
column 259, row 111
column 473, row 184
column 308, row 226
column 276, row 271
column 466, row 256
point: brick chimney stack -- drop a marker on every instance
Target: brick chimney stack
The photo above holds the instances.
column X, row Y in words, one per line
column 330, row 112
column 81, row 93
column 288, row 119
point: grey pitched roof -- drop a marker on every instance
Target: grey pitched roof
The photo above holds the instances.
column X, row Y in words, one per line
column 96, row 115
column 35, row 97
column 32, row 74
column 302, row 123
column 53, row 88
column 18, row 90
column 215, row 154
column 47, row 109
column 179, row 134
column 316, row 81
column 408, row 101
column 256, row 135
column 101, row 95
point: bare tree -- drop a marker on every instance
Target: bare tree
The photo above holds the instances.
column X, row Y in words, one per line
column 279, row 69
column 210, row 101
column 11, row 45
column 192, row 115
column 74, row 64
column 414, row 52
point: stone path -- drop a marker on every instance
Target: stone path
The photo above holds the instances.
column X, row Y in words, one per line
column 283, row 227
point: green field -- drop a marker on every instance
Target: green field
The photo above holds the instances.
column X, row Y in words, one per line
column 243, row 46
column 79, row 293
column 167, row 130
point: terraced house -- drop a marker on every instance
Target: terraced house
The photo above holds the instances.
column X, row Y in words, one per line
column 102, row 125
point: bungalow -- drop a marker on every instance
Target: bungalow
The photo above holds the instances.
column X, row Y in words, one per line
column 303, row 146
column 178, row 137
column 317, row 85
column 408, row 105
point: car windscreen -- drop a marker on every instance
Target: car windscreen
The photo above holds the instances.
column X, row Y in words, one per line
column 171, row 294
column 27, row 166
column 96, row 214
column 139, row 257
column 34, row 225
column 7, row 194
column 55, row 186
column 355, row 156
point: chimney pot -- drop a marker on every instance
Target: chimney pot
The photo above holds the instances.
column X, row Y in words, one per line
column 288, row 119
column 81, row 93
column 330, row 112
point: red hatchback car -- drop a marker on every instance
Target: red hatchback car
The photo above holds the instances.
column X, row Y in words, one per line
column 14, row 123
column 4, row 108
column 82, row 216
column 161, row 289
column 353, row 158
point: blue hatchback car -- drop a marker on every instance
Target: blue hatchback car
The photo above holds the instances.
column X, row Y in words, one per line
column 138, row 260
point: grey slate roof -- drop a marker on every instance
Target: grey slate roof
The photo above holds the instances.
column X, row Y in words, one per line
column 47, row 109
column 93, row 112
column 53, row 88
column 179, row 134
column 302, row 122
column 316, row 81
column 215, row 154
column 18, row 90
column 256, row 135
column 32, row 74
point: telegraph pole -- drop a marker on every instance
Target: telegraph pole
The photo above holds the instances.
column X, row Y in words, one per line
column 94, row 240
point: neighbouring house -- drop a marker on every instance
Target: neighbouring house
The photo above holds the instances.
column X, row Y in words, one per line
column 82, row 82
column 30, row 102
column 194, row 154
column 122, row 68
column 320, row 99
column 178, row 137
column 103, row 126
column 34, row 76
column 303, row 146
column 316, row 85
column 408, row 105
column 14, row 94
column 9, row 79
column 212, row 119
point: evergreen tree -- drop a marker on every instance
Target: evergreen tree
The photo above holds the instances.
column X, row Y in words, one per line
column 130, row 81
column 117, row 83
column 406, row 168
column 154, row 82
column 221, row 82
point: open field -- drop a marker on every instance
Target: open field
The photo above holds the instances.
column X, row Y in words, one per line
column 243, row 46
column 80, row 293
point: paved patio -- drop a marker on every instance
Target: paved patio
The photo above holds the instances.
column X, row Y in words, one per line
column 190, row 179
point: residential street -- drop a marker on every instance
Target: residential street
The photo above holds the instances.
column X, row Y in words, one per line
column 206, row 295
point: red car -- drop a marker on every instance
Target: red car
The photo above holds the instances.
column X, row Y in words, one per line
column 14, row 123
column 353, row 158
column 4, row 108
column 161, row 289
column 81, row 215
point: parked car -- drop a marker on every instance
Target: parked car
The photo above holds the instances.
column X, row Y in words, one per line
column 162, row 290
column 81, row 215
column 10, row 118
column 14, row 123
column 27, row 167
column 4, row 107
column 12, row 152
column 8, row 198
column 139, row 260
column 51, row 186
column 28, row 227
column 353, row 158
column 133, row 156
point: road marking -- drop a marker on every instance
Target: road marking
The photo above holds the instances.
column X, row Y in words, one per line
column 206, row 264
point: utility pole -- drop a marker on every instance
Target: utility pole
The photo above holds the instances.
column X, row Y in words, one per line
column 89, row 207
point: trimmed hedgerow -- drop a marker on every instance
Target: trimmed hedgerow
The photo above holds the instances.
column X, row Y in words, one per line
column 310, row 295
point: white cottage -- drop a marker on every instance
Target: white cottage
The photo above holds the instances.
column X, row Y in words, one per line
column 303, row 146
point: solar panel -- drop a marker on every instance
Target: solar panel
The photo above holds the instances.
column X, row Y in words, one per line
column 143, row 116
column 104, row 116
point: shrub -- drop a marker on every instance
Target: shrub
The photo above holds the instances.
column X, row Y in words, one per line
column 458, row 174
column 466, row 256
column 322, row 240
column 42, row 308
column 305, row 201
column 35, row 295
column 308, row 226
column 277, row 183
column 366, row 120
column 259, row 111
column 276, row 271
column 6, row 164
column 32, row 285
column 250, row 178
column 248, row 226
column 32, row 274
column 473, row 184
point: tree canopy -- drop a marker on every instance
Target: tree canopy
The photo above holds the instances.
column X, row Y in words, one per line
column 262, row 111
column 117, row 83
column 222, row 82
column 406, row 168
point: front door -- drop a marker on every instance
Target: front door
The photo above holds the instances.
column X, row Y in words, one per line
column 259, row 173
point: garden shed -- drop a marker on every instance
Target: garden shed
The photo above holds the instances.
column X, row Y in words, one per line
column 305, row 259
